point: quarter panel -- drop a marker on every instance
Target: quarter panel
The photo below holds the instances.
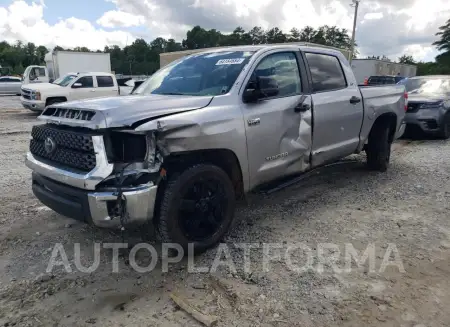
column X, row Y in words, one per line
column 379, row 100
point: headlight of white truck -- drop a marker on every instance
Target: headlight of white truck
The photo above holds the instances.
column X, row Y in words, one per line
column 35, row 95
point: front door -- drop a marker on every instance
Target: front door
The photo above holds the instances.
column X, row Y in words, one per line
column 278, row 127
column 82, row 88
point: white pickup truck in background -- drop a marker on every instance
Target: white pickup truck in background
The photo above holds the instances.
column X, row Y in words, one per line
column 75, row 86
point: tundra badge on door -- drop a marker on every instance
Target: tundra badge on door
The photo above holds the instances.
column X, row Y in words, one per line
column 253, row 122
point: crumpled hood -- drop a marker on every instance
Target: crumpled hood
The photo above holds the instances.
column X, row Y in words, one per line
column 124, row 111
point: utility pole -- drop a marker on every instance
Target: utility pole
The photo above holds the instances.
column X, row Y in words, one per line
column 356, row 5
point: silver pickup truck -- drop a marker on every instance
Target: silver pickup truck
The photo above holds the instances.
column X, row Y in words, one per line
column 202, row 132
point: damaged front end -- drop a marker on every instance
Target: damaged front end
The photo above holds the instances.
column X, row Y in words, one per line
column 107, row 178
column 128, row 195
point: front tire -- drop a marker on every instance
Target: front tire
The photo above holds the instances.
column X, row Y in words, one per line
column 379, row 148
column 197, row 207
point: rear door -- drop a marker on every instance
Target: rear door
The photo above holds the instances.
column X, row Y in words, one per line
column 278, row 134
column 338, row 108
column 106, row 86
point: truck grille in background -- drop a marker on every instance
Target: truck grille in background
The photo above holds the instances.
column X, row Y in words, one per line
column 68, row 113
column 413, row 107
column 71, row 148
column 26, row 94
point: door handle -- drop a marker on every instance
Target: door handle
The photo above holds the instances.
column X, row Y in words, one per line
column 302, row 107
column 355, row 100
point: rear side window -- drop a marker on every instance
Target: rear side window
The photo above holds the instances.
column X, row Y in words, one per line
column 105, row 81
column 86, row 81
column 326, row 72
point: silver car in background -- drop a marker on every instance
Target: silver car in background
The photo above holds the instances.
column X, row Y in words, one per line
column 10, row 85
column 428, row 104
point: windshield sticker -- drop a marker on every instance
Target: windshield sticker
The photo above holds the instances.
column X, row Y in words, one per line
column 247, row 54
column 236, row 61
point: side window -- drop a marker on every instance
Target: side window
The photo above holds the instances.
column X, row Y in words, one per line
column 41, row 71
column 105, row 81
column 283, row 69
column 326, row 72
column 86, row 81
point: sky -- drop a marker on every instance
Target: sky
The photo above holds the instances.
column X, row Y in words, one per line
column 384, row 27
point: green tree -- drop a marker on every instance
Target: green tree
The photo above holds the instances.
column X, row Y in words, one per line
column 257, row 35
column 294, row 35
column 443, row 44
column 406, row 59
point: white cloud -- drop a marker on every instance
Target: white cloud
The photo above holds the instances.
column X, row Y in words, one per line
column 373, row 15
column 117, row 18
column 24, row 22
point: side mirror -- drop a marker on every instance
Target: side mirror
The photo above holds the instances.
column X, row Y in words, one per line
column 260, row 88
column 251, row 92
column 76, row 85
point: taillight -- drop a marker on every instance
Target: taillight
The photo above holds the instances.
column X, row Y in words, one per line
column 366, row 81
column 406, row 101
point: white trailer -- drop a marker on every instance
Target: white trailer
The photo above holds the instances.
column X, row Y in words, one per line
column 364, row 68
column 60, row 63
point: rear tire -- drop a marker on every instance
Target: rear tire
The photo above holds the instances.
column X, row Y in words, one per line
column 379, row 148
column 190, row 207
column 444, row 133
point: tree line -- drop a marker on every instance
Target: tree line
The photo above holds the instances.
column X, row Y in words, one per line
column 142, row 57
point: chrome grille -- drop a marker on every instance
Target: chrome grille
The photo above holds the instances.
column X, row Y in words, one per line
column 70, row 148
column 26, row 94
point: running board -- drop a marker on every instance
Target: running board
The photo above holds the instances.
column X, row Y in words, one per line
column 275, row 187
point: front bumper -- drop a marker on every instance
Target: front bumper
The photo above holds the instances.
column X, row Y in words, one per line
column 427, row 120
column 33, row 105
column 96, row 207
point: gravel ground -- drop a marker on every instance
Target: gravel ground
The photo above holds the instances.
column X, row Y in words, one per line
column 405, row 209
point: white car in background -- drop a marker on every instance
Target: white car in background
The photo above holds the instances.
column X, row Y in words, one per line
column 10, row 85
column 73, row 86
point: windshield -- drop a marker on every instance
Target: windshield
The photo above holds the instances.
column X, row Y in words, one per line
column 427, row 85
column 65, row 80
column 196, row 75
